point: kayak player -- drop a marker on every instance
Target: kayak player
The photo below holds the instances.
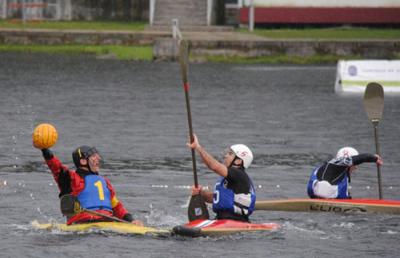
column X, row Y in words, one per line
column 234, row 195
column 332, row 179
column 93, row 191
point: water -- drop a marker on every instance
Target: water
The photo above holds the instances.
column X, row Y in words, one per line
column 134, row 113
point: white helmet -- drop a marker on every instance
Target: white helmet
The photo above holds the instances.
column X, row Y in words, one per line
column 346, row 152
column 244, row 153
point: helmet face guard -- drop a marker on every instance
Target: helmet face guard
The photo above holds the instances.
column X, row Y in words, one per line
column 84, row 152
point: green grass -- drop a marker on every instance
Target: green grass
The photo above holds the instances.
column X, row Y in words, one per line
column 73, row 25
column 276, row 59
column 328, row 33
column 143, row 53
column 119, row 52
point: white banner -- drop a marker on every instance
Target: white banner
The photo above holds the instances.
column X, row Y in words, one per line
column 353, row 76
column 324, row 3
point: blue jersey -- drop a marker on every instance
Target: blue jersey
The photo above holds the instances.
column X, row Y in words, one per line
column 343, row 191
column 224, row 199
column 310, row 187
column 96, row 195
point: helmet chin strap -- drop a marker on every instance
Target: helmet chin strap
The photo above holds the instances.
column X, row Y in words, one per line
column 233, row 163
column 87, row 166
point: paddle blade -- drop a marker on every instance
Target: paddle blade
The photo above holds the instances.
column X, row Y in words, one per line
column 373, row 101
column 197, row 208
column 184, row 60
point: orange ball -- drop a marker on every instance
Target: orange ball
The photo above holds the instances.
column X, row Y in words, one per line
column 44, row 136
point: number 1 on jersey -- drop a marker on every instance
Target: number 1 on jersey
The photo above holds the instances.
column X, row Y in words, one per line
column 99, row 186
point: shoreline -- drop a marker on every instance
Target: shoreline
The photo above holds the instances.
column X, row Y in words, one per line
column 205, row 46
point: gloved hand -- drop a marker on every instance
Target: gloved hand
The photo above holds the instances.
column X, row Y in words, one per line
column 128, row 217
column 47, row 154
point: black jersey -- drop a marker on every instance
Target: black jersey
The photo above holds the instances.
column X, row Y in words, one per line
column 335, row 170
column 238, row 180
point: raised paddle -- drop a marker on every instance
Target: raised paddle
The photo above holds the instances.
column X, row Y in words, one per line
column 197, row 206
column 71, row 206
column 373, row 104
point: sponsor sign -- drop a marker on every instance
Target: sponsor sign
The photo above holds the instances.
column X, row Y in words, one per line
column 353, row 76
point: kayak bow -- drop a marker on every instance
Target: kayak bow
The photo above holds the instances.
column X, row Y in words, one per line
column 201, row 227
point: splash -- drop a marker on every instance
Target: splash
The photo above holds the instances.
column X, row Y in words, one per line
column 160, row 218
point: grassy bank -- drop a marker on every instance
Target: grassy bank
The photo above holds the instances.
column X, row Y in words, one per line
column 347, row 33
column 73, row 25
column 142, row 53
column 145, row 52
column 110, row 51
column 276, row 59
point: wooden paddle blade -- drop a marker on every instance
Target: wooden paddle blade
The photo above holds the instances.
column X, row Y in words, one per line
column 197, row 208
column 373, row 101
column 184, row 60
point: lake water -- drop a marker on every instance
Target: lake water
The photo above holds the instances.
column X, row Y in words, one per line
column 134, row 113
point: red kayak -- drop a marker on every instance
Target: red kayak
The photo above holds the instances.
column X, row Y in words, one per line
column 332, row 205
column 220, row 227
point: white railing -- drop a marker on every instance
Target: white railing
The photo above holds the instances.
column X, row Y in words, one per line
column 152, row 8
column 67, row 10
column 251, row 15
column 250, row 5
column 209, row 11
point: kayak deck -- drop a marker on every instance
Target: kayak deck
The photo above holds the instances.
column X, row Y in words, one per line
column 220, row 227
column 332, row 205
column 118, row 227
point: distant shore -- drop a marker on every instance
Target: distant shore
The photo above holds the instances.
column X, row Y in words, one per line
column 262, row 46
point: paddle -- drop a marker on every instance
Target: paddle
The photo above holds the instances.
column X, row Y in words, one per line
column 373, row 103
column 197, row 207
column 71, row 206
